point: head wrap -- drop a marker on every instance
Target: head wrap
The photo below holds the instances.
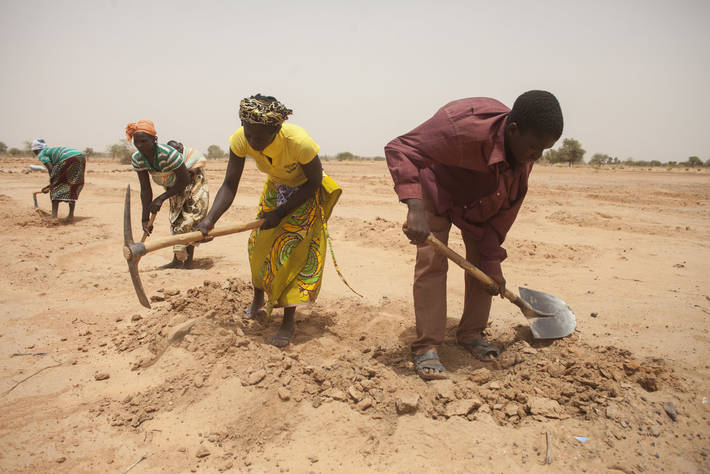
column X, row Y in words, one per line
column 38, row 144
column 140, row 126
column 261, row 110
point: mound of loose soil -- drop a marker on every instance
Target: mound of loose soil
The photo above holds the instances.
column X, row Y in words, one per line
column 528, row 383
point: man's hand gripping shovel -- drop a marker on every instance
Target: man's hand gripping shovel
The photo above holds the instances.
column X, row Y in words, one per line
column 549, row 317
column 133, row 251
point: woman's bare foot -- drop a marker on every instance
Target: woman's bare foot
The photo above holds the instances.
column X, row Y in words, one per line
column 187, row 264
column 283, row 336
column 256, row 304
column 174, row 264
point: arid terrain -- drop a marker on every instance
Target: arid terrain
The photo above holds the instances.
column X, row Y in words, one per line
column 90, row 381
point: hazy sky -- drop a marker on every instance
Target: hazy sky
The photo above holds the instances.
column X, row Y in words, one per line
column 633, row 77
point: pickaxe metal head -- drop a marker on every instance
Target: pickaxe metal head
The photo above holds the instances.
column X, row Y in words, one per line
column 133, row 251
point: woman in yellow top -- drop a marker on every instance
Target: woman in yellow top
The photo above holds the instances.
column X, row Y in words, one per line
column 287, row 252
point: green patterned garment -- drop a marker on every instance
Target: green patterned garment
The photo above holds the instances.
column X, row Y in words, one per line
column 56, row 154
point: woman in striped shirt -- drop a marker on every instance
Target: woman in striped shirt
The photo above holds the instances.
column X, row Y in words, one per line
column 166, row 166
column 66, row 168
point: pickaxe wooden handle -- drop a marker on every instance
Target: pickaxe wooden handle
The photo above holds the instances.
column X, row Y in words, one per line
column 140, row 248
column 150, row 223
column 133, row 251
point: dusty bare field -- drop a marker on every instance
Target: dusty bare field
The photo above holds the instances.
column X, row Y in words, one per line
column 194, row 387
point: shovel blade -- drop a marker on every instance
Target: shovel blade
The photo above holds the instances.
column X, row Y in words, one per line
column 557, row 319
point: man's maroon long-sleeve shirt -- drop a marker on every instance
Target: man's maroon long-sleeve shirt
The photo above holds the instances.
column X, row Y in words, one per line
column 458, row 158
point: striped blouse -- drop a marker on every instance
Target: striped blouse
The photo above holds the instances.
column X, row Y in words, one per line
column 56, row 154
column 167, row 160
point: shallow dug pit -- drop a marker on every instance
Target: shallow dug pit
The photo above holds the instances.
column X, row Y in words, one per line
column 528, row 383
column 26, row 215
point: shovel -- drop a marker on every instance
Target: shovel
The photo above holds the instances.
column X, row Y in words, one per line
column 549, row 317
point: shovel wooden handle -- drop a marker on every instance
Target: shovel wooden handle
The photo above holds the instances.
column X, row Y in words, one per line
column 150, row 223
column 196, row 236
column 478, row 274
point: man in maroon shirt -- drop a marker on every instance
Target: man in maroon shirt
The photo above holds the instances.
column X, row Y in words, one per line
column 467, row 165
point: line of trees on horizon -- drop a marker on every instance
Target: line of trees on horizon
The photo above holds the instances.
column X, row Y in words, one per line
column 570, row 152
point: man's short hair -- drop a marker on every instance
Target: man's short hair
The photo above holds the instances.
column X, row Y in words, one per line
column 538, row 111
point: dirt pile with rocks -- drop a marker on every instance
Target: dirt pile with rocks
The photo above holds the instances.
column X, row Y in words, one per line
column 530, row 381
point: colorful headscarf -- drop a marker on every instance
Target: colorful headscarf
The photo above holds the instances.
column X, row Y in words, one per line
column 140, row 126
column 263, row 110
column 38, row 144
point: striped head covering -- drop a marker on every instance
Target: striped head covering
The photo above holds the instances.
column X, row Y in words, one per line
column 140, row 126
column 263, row 110
column 38, row 144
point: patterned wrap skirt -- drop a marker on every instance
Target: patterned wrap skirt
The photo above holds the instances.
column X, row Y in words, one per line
column 287, row 261
column 189, row 207
column 67, row 179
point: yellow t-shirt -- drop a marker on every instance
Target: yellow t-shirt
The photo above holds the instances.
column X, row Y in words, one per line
column 291, row 148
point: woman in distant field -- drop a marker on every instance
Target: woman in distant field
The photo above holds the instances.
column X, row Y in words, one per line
column 186, row 191
column 287, row 252
column 66, row 168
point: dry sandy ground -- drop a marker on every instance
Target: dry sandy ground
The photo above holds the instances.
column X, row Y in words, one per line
column 194, row 387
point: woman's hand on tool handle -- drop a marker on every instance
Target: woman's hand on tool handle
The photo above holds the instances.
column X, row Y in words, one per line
column 272, row 218
column 417, row 228
column 205, row 226
column 147, row 226
column 156, row 205
column 46, row 189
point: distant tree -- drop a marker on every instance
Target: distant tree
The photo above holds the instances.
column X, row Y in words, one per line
column 3, row 148
column 599, row 159
column 707, row 163
column 122, row 151
column 344, row 155
column 15, row 151
column 214, row 152
column 550, row 156
column 672, row 163
column 88, row 151
column 694, row 161
column 571, row 151
column 655, row 163
column 27, row 147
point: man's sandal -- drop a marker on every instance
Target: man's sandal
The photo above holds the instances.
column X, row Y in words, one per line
column 480, row 349
column 428, row 366
column 279, row 341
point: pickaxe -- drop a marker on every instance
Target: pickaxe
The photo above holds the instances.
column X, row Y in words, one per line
column 133, row 251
